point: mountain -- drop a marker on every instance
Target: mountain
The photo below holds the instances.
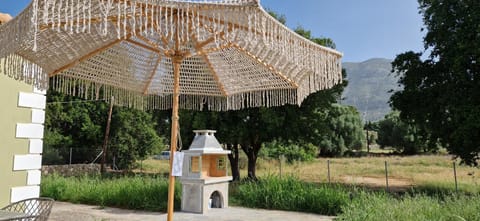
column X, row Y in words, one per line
column 369, row 83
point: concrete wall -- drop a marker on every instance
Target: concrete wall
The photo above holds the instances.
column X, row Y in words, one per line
column 21, row 132
column 196, row 195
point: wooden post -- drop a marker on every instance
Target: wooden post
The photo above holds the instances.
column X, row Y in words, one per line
column 105, row 141
column 328, row 169
column 177, row 59
column 173, row 137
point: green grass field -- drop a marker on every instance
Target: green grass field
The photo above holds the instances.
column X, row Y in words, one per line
column 357, row 192
column 424, row 171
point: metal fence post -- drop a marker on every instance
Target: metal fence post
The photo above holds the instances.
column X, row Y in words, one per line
column 70, row 162
column 455, row 176
column 386, row 175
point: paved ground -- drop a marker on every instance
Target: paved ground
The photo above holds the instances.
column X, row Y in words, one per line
column 71, row 212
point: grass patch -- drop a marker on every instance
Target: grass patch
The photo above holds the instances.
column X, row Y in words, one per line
column 379, row 207
column 135, row 192
column 272, row 192
column 421, row 170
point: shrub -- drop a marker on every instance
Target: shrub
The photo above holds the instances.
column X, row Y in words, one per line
column 291, row 151
column 137, row 192
column 290, row 194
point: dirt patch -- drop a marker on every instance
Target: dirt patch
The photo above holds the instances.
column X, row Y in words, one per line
column 394, row 184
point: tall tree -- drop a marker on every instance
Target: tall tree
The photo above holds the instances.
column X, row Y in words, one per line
column 405, row 137
column 72, row 124
column 442, row 92
column 133, row 137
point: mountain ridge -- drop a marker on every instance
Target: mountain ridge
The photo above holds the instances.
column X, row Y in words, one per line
column 369, row 86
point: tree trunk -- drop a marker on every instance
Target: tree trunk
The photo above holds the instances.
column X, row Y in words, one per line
column 233, row 158
column 252, row 153
column 252, row 166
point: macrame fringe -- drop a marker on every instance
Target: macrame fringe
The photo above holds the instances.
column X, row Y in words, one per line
column 20, row 69
column 93, row 91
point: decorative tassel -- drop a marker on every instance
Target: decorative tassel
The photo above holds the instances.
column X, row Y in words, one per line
column 84, row 27
column 134, row 23
column 152, row 19
column 141, row 18
column 125, row 19
column 45, row 11
column 78, row 17
column 35, row 24
column 166, row 21
column 89, row 15
column 171, row 26
column 52, row 19
column 179, row 27
column 145, row 30
column 71, row 18
column 119, row 27
column 198, row 21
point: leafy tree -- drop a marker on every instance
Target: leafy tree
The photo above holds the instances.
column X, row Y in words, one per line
column 442, row 92
column 71, row 123
column 405, row 137
column 133, row 137
column 292, row 151
column 369, row 127
column 342, row 130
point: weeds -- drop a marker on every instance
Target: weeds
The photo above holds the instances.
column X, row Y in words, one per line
column 380, row 206
column 137, row 192
column 288, row 193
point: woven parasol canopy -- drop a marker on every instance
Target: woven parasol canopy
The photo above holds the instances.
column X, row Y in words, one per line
column 162, row 54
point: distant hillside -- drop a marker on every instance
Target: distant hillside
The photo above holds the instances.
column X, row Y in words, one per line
column 368, row 85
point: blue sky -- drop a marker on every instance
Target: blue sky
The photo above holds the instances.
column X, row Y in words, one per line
column 361, row 29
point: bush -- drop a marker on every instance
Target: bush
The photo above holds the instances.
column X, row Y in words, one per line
column 290, row 194
column 384, row 207
column 291, row 151
column 138, row 192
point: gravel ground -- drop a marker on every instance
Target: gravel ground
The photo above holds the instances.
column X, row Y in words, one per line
column 72, row 212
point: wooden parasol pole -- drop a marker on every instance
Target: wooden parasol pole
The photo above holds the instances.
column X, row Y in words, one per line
column 173, row 142
column 177, row 59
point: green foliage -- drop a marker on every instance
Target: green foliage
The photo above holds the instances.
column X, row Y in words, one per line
column 142, row 193
column 72, row 123
column 290, row 194
column 280, row 17
column 404, row 137
column 133, row 137
column 327, row 42
column 377, row 206
column 291, row 151
column 442, row 93
column 343, row 130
